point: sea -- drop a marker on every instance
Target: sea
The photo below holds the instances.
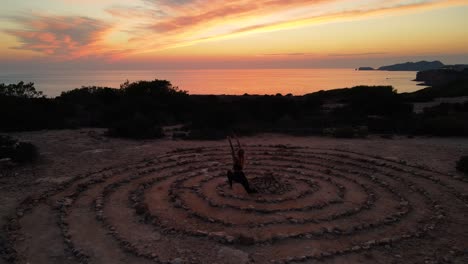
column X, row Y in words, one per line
column 220, row 81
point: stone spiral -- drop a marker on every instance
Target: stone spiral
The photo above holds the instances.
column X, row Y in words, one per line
column 312, row 205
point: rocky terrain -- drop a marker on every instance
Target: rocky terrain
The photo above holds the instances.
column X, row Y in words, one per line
column 442, row 76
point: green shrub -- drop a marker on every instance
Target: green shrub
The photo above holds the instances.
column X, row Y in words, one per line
column 462, row 165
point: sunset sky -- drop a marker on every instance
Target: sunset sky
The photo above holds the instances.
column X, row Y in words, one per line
column 135, row 34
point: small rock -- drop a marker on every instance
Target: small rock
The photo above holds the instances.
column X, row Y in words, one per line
column 244, row 240
column 156, row 236
column 141, row 208
column 229, row 255
column 178, row 204
column 217, row 236
column 356, row 248
column 230, row 239
column 177, row 261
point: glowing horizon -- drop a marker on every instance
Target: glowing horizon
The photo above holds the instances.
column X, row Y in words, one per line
column 196, row 32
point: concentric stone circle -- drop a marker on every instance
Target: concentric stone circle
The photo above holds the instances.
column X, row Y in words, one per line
column 312, row 205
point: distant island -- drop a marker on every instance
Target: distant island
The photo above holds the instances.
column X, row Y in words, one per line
column 365, row 69
column 413, row 66
column 408, row 66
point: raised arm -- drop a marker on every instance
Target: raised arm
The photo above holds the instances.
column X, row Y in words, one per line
column 241, row 153
column 232, row 149
column 238, row 143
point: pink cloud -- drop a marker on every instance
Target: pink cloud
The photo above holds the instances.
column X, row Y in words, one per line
column 60, row 36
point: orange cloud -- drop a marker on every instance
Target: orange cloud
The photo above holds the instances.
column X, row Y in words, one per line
column 210, row 11
column 222, row 14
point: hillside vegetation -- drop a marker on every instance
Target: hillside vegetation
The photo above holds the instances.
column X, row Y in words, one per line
column 140, row 109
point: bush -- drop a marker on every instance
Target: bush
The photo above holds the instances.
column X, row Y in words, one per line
column 25, row 152
column 208, row 134
column 462, row 165
column 137, row 127
column 6, row 141
column 7, row 147
column 362, row 131
column 20, row 152
column 344, row 132
column 453, row 125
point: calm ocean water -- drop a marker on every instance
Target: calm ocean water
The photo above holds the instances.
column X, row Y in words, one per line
column 229, row 81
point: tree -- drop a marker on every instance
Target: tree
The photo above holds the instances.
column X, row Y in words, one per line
column 20, row 90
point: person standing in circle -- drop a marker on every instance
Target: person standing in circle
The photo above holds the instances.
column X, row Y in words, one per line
column 237, row 173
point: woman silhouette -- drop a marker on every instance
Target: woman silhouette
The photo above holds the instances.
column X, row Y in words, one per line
column 237, row 173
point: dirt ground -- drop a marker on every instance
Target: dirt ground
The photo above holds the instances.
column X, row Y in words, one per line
column 92, row 199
